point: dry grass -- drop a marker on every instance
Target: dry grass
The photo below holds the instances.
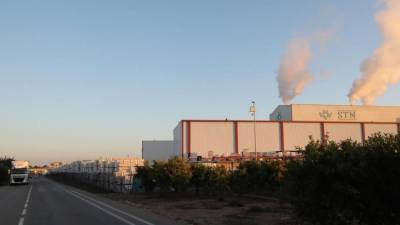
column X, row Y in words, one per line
column 231, row 210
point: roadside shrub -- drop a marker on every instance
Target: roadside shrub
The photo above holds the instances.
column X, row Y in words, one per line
column 237, row 183
column 147, row 177
column 216, row 180
column 179, row 172
column 347, row 182
column 256, row 176
column 198, row 179
column 178, row 175
column 5, row 166
column 161, row 177
column 174, row 175
column 3, row 174
column 6, row 161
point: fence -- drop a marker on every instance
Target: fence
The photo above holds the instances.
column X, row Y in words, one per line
column 105, row 182
column 110, row 175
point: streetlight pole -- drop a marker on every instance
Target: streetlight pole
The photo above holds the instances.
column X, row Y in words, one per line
column 253, row 113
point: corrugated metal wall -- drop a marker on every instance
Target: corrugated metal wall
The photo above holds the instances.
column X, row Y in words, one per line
column 267, row 136
column 298, row 134
column 200, row 143
column 383, row 128
column 230, row 137
column 343, row 131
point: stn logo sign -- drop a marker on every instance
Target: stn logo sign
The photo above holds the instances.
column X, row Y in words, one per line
column 346, row 115
column 325, row 114
column 341, row 115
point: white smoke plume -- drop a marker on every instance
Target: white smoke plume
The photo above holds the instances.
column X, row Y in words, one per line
column 382, row 68
column 293, row 73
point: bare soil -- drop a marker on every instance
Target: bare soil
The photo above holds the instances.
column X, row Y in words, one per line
column 195, row 210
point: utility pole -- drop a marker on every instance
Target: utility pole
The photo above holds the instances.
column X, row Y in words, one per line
column 253, row 113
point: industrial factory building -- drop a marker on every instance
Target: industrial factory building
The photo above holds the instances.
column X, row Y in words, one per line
column 158, row 150
column 289, row 127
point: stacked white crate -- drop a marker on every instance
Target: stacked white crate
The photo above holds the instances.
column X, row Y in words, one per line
column 120, row 167
column 126, row 167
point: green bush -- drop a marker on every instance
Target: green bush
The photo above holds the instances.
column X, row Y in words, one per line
column 178, row 175
column 173, row 175
column 198, row 179
column 216, row 180
column 334, row 183
column 5, row 166
column 147, row 177
column 257, row 176
column 347, row 182
column 3, row 174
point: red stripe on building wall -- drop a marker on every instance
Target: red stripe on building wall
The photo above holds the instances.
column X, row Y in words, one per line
column 189, row 139
column 362, row 132
column 289, row 121
column 182, row 137
column 236, row 137
column 282, row 136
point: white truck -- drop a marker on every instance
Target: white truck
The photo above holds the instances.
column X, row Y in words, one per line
column 19, row 173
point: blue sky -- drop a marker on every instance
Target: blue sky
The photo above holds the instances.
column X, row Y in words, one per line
column 83, row 79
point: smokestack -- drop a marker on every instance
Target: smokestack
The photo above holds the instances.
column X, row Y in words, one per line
column 382, row 68
column 293, row 73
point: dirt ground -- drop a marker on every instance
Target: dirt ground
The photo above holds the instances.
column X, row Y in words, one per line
column 232, row 210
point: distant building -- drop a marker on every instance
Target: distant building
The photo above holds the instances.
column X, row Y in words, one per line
column 54, row 165
column 337, row 113
column 289, row 127
column 39, row 170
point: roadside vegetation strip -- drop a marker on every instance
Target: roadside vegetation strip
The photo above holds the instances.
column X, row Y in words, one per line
column 102, row 209
column 5, row 166
column 113, row 208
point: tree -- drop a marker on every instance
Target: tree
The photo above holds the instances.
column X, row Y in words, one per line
column 347, row 182
column 5, row 166
column 217, row 180
column 175, row 174
column 147, row 177
column 198, row 179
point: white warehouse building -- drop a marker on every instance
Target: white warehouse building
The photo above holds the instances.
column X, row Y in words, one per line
column 289, row 127
column 158, row 150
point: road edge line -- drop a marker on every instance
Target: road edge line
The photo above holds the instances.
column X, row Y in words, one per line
column 101, row 208
column 113, row 208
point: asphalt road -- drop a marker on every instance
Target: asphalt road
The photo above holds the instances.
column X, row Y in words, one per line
column 45, row 202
